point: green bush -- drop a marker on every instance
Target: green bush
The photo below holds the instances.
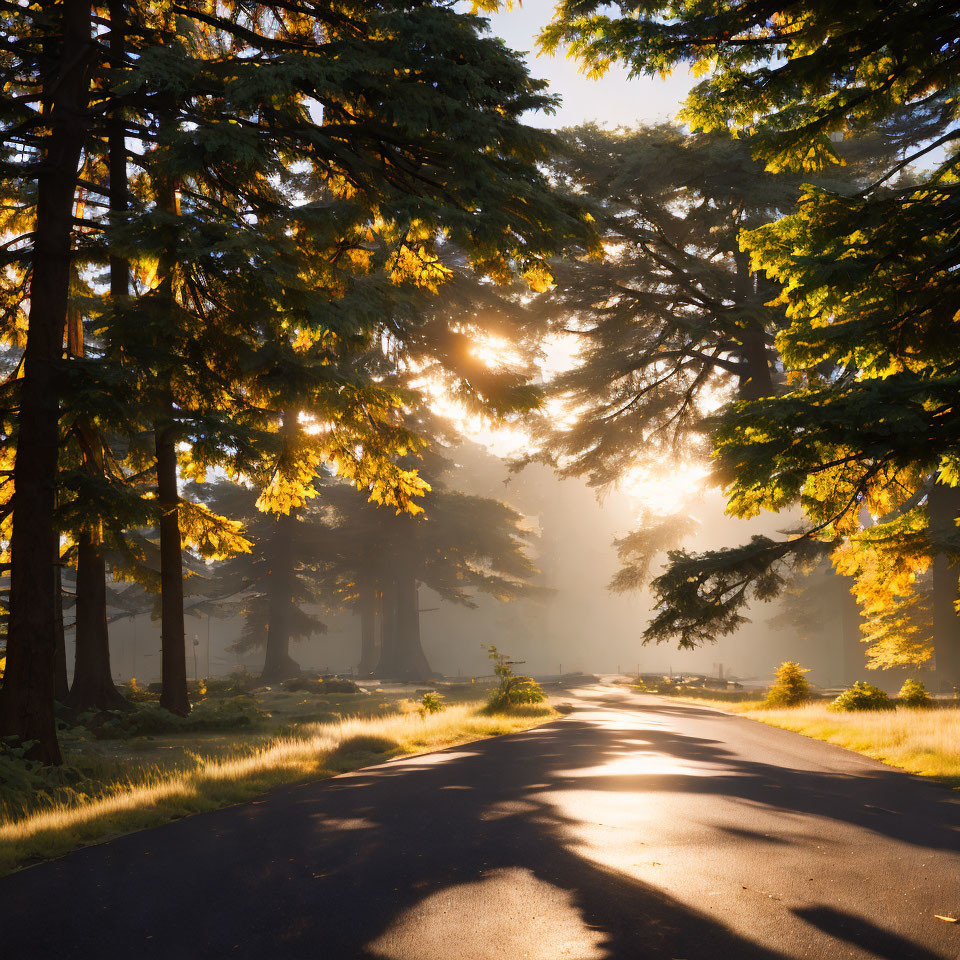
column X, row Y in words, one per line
column 238, row 682
column 29, row 784
column 862, row 696
column 150, row 719
column 321, row 685
column 790, row 688
column 432, row 702
column 136, row 693
column 512, row 691
column 515, row 692
column 914, row 694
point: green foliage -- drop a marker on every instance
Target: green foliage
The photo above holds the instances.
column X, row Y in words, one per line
column 135, row 693
column 237, row 683
column 867, row 418
column 862, row 696
column 432, row 702
column 790, row 687
column 321, row 685
column 512, row 691
column 22, row 778
column 914, row 694
column 150, row 719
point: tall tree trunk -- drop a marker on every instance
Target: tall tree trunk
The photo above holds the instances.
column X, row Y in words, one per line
column 278, row 664
column 368, row 624
column 26, row 704
column 93, row 687
column 402, row 656
column 756, row 381
column 119, row 193
column 173, row 694
column 389, row 637
column 61, row 687
column 943, row 506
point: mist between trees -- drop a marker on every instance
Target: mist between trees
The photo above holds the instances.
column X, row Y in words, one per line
column 255, row 258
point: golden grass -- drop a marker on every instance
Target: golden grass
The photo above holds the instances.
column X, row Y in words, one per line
column 316, row 750
column 924, row 742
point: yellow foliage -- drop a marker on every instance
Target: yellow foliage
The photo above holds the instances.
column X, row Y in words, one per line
column 291, row 484
column 419, row 267
column 212, row 536
column 538, row 277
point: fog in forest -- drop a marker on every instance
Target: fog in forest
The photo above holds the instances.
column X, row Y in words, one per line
column 576, row 625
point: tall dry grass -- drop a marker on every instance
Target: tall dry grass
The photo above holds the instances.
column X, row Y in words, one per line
column 925, row 742
column 316, row 750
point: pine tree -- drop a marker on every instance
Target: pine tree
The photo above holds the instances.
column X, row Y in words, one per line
column 48, row 75
column 868, row 285
column 399, row 124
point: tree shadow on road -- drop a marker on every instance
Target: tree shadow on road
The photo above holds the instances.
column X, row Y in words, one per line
column 331, row 870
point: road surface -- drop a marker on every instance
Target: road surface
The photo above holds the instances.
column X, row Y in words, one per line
column 635, row 828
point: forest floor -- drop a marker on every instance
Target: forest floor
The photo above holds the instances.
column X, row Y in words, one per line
column 128, row 771
column 923, row 742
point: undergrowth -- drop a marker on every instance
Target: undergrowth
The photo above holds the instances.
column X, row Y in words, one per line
column 56, row 810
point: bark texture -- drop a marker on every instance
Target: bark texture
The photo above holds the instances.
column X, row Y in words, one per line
column 367, row 602
column 173, row 696
column 61, row 686
column 278, row 664
column 402, row 656
column 93, row 687
column 26, row 704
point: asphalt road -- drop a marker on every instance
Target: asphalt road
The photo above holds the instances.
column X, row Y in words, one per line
column 635, row 828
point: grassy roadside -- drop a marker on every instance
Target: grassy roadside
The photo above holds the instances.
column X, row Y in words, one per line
column 146, row 796
column 922, row 742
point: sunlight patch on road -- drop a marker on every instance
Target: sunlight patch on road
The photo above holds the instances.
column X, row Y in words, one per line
column 510, row 914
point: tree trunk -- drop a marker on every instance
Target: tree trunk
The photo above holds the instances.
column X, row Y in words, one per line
column 61, row 687
column 93, row 687
column 368, row 625
column 943, row 506
column 757, row 380
column 173, row 695
column 278, row 664
column 26, row 704
column 402, row 656
column 119, row 268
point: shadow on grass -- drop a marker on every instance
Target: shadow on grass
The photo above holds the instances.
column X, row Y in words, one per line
column 466, row 848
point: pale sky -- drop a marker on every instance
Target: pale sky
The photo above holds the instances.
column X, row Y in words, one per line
column 612, row 101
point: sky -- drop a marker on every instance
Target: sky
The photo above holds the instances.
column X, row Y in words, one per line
column 613, row 101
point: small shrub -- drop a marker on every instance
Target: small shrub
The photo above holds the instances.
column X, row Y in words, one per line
column 512, row 691
column 150, row 719
column 28, row 783
column 136, row 693
column 321, row 685
column 515, row 692
column 238, row 682
column 432, row 702
column 914, row 694
column 862, row 696
column 790, row 687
